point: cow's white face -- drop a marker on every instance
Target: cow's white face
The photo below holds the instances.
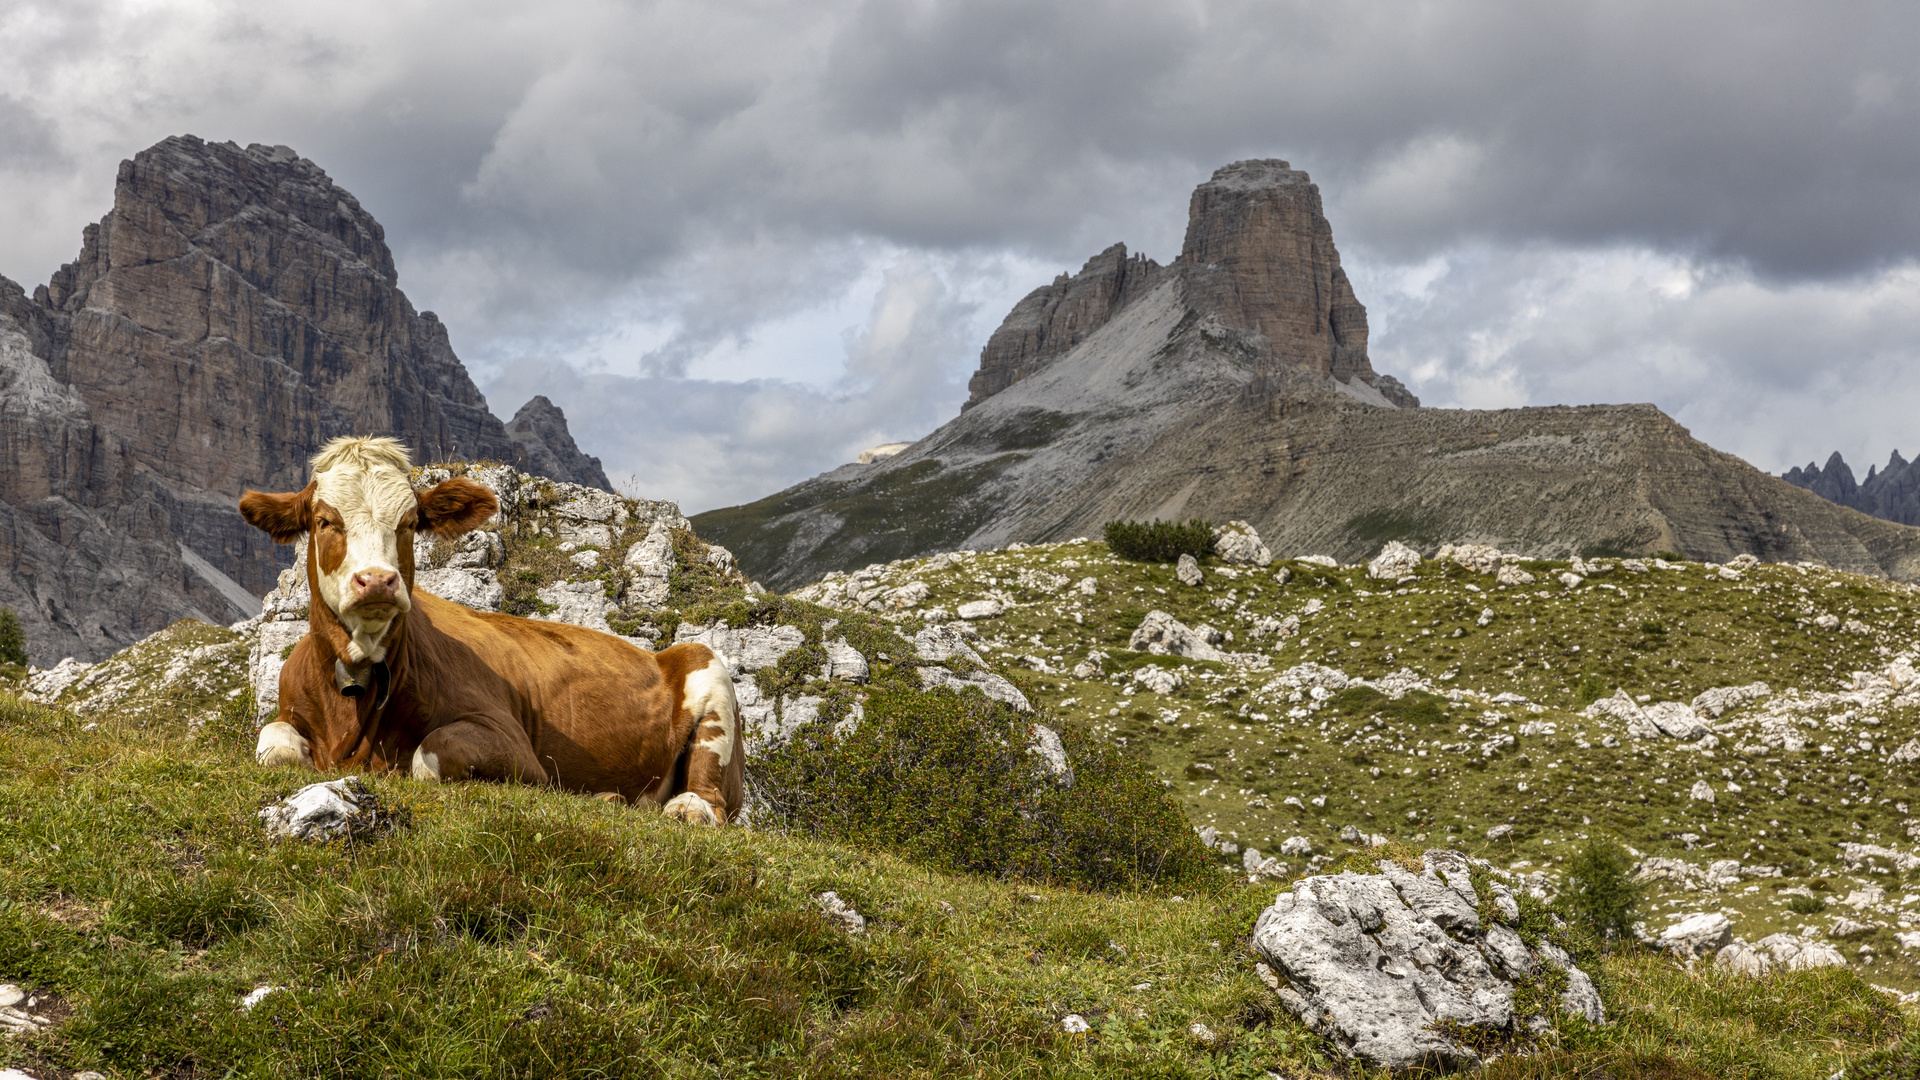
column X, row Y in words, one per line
column 360, row 515
column 364, row 517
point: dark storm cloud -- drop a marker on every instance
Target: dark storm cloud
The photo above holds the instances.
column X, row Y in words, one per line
column 632, row 189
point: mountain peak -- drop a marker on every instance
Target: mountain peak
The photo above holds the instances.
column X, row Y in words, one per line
column 1258, row 258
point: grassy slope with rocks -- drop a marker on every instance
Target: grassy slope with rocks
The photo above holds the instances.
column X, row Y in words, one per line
column 1430, row 756
column 509, row 931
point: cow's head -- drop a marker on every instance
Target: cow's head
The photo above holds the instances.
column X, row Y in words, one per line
column 360, row 515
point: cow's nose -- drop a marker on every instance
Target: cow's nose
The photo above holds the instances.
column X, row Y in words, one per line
column 375, row 584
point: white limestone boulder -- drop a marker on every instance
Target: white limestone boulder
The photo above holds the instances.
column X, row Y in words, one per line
column 1383, row 964
column 1395, row 561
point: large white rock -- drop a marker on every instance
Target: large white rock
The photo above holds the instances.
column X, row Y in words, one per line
column 1236, row 542
column 324, row 811
column 1163, row 635
column 1394, row 562
column 1187, row 570
column 1676, row 720
column 980, row 609
column 476, row 588
column 649, row 564
column 941, row 643
column 1697, row 935
column 1744, row 959
column 1798, row 954
column 1511, row 574
column 1719, row 699
column 582, row 603
column 271, row 646
column 1044, row 743
column 746, row 649
column 844, row 662
column 1479, row 558
column 1376, row 962
column 936, row 677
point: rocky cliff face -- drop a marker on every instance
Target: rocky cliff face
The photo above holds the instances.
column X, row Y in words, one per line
column 1054, row 318
column 232, row 312
column 1258, row 257
column 1891, row 494
column 1236, row 386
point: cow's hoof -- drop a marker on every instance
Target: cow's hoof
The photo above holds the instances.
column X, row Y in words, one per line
column 691, row 809
column 281, row 745
column 611, row 796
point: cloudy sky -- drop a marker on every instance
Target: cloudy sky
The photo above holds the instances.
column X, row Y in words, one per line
column 739, row 241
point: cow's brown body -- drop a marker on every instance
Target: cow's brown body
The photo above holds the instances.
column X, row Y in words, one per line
column 461, row 694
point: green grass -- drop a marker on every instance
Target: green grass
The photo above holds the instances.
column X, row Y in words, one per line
column 510, row 931
column 506, row 931
column 1440, row 766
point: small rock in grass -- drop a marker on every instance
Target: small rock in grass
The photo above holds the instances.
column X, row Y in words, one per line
column 841, row 913
column 257, row 995
column 324, row 811
column 1188, row 570
column 1571, row 580
column 981, row 609
column 1702, row 791
column 1074, row 1024
column 1513, row 575
column 1299, row 846
column 1499, row 832
column 1844, row 927
column 1202, row 1033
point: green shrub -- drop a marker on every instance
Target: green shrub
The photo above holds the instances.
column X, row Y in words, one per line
column 1601, row 895
column 948, row 779
column 13, row 638
column 1159, row 541
column 1807, row 905
column 1592, row 687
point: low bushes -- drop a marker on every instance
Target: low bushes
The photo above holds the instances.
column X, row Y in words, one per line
column 948, row 780
column 1159, row 541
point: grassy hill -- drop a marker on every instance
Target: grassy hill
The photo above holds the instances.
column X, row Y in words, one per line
column 1476, row 716
column 500, row 931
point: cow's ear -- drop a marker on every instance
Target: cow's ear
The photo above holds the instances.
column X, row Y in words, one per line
column 283, row 517
column 456, row 506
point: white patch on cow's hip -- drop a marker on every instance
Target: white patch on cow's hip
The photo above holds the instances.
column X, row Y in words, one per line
column 691, row 809
column 709, row 691
column 426, row 765
column 281, row 743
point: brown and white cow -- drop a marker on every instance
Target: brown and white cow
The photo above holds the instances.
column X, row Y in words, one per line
column 393, row 677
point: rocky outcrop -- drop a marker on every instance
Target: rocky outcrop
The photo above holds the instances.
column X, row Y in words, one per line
column 1891, row 494
column 232, row 312
column 1403, row 969
column 1054, row 318
column 1258, row 258
column 1259, row 254
column 539, row 429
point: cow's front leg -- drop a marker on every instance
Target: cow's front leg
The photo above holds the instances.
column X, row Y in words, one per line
column 715, row 756
column 467, row 750
column 281, row 743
